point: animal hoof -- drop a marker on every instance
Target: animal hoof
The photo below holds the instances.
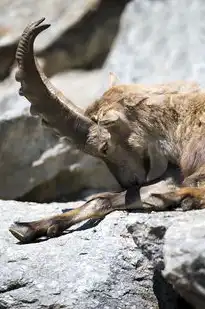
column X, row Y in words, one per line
column 53, row 231
column 22, row 231
column 189, row 203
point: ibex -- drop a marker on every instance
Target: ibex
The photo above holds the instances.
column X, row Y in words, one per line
column 135, row 129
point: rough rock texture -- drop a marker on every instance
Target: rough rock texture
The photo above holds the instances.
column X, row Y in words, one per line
column 87, row 43
column 7, row 54
column 160, row 41
column 184, row 255
column 81, row 35
column 31, row 155
column 64, row 14
column 91, row 268
column 114, row 264
column 148, row 232
column 16, row 15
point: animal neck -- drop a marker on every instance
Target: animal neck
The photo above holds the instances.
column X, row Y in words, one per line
column 157, row 126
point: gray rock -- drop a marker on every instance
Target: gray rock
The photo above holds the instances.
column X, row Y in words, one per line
column 7, row 56
column 31, row 155
column 99, row 267
column 184, row 257
column 81, row 35
column 62, row 14
column 82, row 87
column 114, row 264
column 86, row 44
column 15, row 16
column 160, row 41
column 175, row 239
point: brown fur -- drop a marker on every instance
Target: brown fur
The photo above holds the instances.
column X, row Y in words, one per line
column 136, row 129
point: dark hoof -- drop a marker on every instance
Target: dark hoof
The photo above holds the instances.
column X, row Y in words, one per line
column 189, row 203
column 23, row 232
column 53, row 231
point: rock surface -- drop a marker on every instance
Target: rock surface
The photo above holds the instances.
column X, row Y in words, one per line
column 16, row 15
column 82, row 87
column 160, row 41
column 64, row 14
column 149, row 232
column 81, row 35
column 31, row 154
column 91, row 268
column 114, row 264
column 86, row 44
column 184, row 255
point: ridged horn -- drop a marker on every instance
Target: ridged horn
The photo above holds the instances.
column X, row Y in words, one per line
column 55, row 109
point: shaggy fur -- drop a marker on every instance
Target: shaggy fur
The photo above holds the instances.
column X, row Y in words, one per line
column 136, row 129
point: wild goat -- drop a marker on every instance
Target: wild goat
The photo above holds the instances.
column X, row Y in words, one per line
column 135, row 129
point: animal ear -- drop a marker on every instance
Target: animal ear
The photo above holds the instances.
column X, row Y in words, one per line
column 134, row 99
column 113, row 80
column 110, row 118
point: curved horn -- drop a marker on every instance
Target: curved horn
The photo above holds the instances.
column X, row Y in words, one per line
column 49, row 103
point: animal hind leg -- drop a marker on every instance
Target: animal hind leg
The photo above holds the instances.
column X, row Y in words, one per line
column 190, row 196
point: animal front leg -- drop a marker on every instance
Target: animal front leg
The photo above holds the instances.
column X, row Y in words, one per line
column 190, row 196
column 96, row 207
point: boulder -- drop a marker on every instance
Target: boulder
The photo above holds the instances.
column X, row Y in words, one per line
column 16, row 15
column 184, row 257
column 63, row 14
column 81, row 35
column 90, row 268
column 86, row 44
column 32, row 155
column 112, row 263
column 160, row 41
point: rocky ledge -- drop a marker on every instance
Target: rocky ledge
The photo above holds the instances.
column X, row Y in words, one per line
column 119, row 262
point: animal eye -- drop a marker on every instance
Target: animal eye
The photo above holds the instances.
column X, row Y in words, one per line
column 103, row 148
column 94, row 118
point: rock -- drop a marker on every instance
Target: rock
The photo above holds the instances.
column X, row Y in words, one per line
column 15, row 16
column 87, row 43
column 91, row 84
column 150, row 232
column 114, row 263
column 81, row 35
column 7, row 57
column 63, row 14
column 184, row 256
column 31, row 155
column 160, row 41
column 98, row 267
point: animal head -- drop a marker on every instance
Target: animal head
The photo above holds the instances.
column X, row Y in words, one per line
column 104, row 130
